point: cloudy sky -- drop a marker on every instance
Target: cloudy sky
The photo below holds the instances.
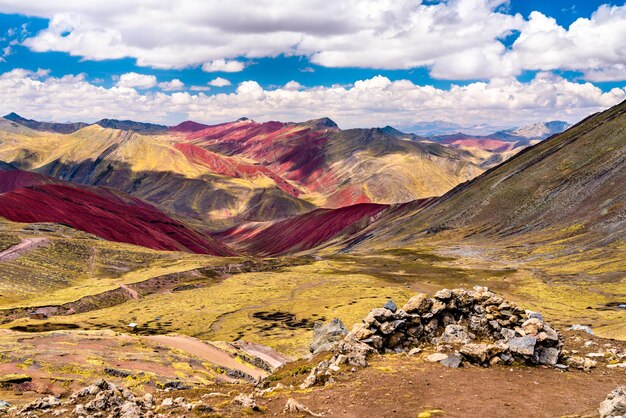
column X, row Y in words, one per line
column 360, row 62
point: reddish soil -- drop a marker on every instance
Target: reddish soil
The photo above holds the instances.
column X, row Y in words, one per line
column 300, row 232
column 413, row 387
column 206, row 352
column 107, row 214
column 227, row 166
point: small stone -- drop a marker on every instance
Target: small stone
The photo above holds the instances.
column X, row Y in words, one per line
column 167, row 402
column 436, row 357
column 583, row 328
column 452, row 361
column 390, row 305
column 293, row 406
column 414, row 351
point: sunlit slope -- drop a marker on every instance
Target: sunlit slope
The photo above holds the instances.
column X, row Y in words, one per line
column 571, row 184
column 332, row 167
column 149, row 167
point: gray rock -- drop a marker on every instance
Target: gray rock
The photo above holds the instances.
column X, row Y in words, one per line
column 549, row 356
column 584, row 328
column 4, row 404
column 390, row 305
column 522, row 345
column 614, row 405
column 452, row 361
column 325, row 335
column 389, row 327
column 436, row 357
column 455, row 334
column 534, row 315
column 507, row 333
column 476, row 353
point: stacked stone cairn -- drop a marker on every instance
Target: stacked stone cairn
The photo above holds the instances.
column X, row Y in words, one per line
column 475, row 326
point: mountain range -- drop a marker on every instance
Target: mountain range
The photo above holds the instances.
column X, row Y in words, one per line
column 207, row 257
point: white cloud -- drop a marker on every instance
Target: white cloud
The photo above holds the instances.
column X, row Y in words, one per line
column 226, row 66
column 458, row 39
column 292, row 86
column 132, row 80
column 172, row 85
column 219, row 82
column 615, row 73
column 373, row 102
column 199, row 88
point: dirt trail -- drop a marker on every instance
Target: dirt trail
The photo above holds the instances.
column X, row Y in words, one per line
column 132, row 293
column 27, row 244
column 206, row 352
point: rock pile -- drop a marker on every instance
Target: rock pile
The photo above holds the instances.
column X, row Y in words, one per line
column 104, row 399
column 614, row 406
column 476, row 326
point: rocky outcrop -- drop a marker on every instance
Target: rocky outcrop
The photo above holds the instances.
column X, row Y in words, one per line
column 475, row 326
column 614, row 406
column 325, row 335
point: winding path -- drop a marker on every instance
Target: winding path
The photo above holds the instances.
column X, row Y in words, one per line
column 27, row 244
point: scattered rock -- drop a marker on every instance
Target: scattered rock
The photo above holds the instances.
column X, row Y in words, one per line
column 116, row 373
column 246, row 401
column 43, row 403
column 584, row 328
column 324, row 336
column 614, row 406
column 294, row 406
column 582, row 363
column 414, row 351
column 436, row 357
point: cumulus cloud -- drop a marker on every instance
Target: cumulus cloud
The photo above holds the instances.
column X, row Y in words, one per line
column 226, row 66
column 456, row 39
column 616, row 72
column 172, row 85
column 135, row 80
column 292, row 85
column 373, row 102
column 219, row 82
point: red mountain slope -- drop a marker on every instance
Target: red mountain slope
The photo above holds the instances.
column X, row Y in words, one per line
column 300, row 232
column 29, row 197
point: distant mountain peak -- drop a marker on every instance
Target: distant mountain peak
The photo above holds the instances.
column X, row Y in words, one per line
column 14, row 117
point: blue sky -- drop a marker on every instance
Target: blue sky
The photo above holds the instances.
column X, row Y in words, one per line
column 272, row 51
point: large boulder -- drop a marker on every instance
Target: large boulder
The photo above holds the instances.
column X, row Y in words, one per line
column 325, row 335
